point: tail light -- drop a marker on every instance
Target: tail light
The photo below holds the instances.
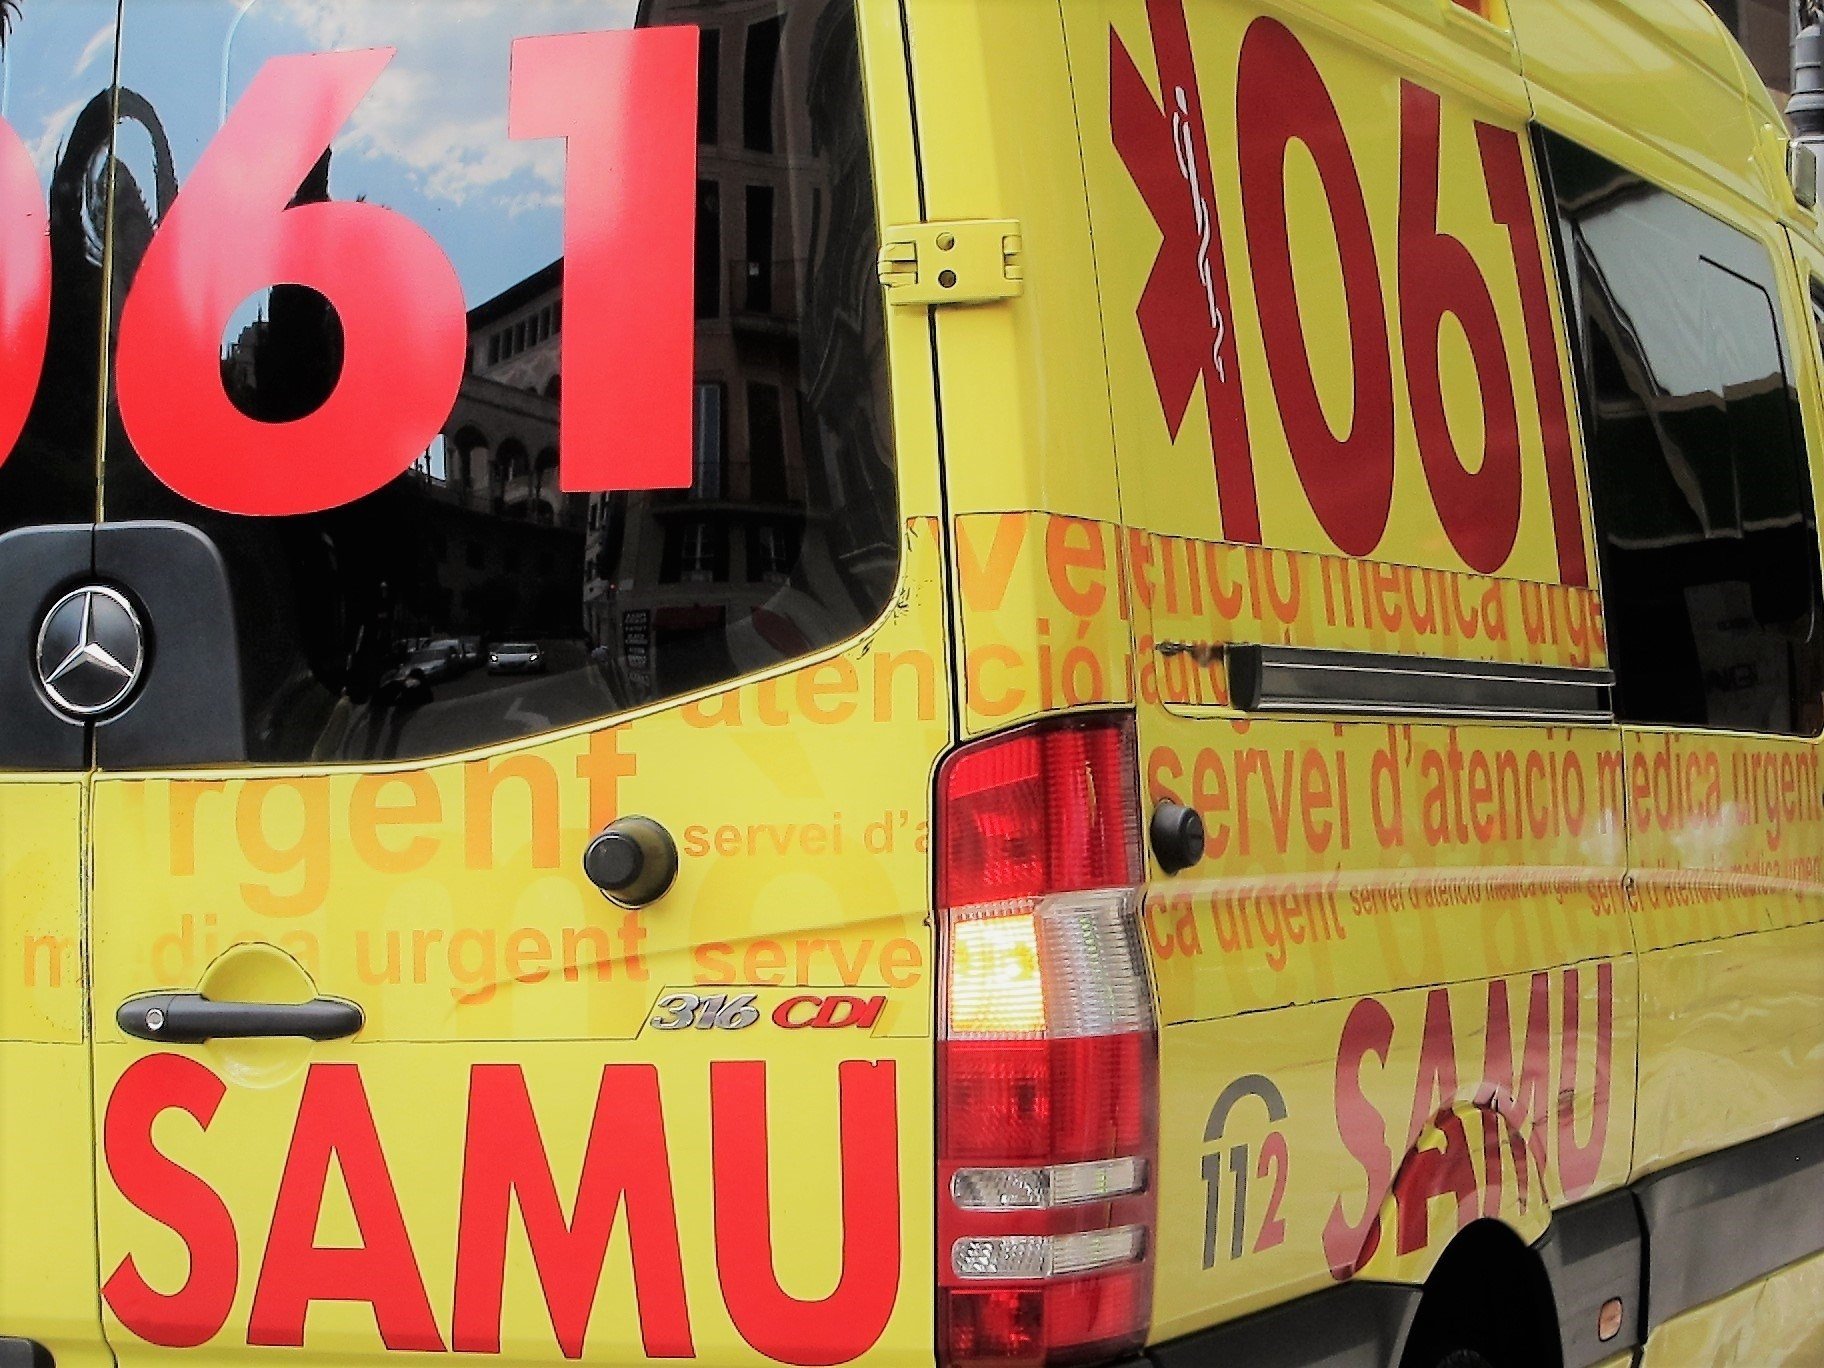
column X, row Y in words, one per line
column 1047, row 1050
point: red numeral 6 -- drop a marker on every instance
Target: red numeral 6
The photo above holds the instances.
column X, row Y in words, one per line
column 228, row 236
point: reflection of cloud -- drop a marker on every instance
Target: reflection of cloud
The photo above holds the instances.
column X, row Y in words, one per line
column 52, row 132
column 515, row 205
column 440, row 108
column 103, row 41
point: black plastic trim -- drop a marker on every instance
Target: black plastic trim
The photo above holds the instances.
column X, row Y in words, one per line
column 24, row 1353
column 1723, row 1221
column 189, row 709
column 36, row 565
column 1296, row 679
column 1593, row 1252
column 1356, row 1325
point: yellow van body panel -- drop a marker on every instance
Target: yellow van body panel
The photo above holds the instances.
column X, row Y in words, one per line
column 1729, row 919
column 1724, row 832
column 46, row 1184
column 1429, row 973
column 1455, row 890
column 1022, row 387
column 1349, row 956
column 407, row 890
column 1652, row 84
column 1773, row 1324
column 1167, row 486
column 1379, row 965
column 775, row 1155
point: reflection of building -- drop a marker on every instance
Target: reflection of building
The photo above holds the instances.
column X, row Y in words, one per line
column 501, row 441
column 496, row 550
column 513, row 337
column 510, row 545
column 757, row 560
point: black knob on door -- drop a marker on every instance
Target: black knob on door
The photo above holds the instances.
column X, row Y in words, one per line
column 634, row 861
column 1177, row 833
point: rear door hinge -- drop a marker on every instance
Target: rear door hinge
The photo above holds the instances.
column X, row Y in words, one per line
column 969, row 261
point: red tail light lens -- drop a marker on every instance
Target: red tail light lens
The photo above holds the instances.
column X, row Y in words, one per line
column 1040, row 811
column 1046, row 1101
column 1048, row 1052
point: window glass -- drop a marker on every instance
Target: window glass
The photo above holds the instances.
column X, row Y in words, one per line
column 1702, row 492
column 374, row 630
column 709, row 85
column 55, row 63
column 757, row 84
column 709, row 249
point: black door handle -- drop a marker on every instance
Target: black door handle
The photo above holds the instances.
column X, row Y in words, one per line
column 192, row 1019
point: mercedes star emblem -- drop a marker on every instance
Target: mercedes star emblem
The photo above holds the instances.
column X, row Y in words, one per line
column 91, row 651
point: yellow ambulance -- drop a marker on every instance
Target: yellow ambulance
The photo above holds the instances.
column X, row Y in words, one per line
column 993, row 682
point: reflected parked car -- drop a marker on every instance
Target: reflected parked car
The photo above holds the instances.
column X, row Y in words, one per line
column 461, row 658
column 516, row 657
column 439, row 661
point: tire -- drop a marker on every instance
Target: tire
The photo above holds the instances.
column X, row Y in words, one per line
column 1464, row 1358
column 1438, row 1355
column 1447, row 1350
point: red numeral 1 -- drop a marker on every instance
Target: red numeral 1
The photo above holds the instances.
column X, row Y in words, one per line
column 1509, row 197
column 25, row 285
column 629, row 243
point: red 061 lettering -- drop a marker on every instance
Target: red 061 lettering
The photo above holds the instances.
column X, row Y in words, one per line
column 230, row 234
column 1281, row 98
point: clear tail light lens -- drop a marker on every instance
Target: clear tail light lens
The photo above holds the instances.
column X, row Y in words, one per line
column 1048, row 1050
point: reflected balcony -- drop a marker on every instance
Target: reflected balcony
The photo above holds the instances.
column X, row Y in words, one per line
column 763, row 296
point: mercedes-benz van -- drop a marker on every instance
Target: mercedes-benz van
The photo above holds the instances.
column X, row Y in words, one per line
column 1179, row 666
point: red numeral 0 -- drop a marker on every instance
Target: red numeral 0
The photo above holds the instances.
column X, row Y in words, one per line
column 1280, row 98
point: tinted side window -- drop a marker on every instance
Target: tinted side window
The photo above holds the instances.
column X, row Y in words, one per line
column 380, row 629
column 1702, row 493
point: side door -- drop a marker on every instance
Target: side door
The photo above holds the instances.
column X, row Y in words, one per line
column 1696, row 342
column 485, row 493
column 56, row 67
column 1397, row 987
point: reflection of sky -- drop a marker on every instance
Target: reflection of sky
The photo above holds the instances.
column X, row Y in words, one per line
column 56, row 57
column 1706, row 326
column 1648, row 263
column 430, row 140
